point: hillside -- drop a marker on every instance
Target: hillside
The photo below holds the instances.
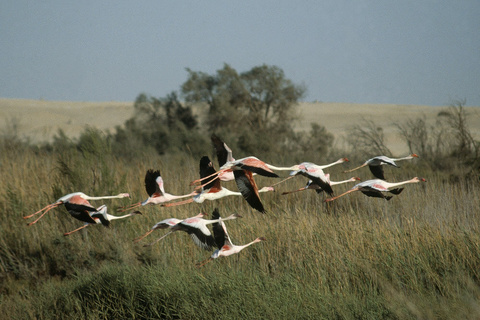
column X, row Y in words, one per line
column 40, row 120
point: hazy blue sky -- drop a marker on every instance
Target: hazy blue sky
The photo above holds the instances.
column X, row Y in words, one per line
column 403, row 52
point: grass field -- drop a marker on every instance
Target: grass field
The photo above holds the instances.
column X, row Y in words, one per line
column 416, row 256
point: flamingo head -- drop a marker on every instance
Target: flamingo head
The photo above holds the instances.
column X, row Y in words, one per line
column 417, row 179
column 135, row 212
column 260, row 239
column 343, row 160
column 356, row 179
column 414, row 155
column 124, row 195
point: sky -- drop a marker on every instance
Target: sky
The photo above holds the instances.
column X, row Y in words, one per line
column 386, row 51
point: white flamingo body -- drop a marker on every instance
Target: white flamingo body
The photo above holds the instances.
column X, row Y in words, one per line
column 313, row 186
column 376, row 188
column 223, row 241
column 155, row 189
column 100, row 216
column 166, row 224
column 223, row 192
column 196, row 227
column 75, row 198
column 375, row 164
column 315, row 173
column 160, row 196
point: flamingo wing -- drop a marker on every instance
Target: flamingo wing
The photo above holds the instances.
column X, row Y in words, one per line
column 396, row 191
column 386, row 160
column 316, row 177
column 100, row 216
column 151, row 184
column 257, row 166
column 207, row 169
column 224, row 153
column 199, row 233
column 248, row 188
column 220, row 231
column 377, row 171
column 80, row 211
column 370, row 192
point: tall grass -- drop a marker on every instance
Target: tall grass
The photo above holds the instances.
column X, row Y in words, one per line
column 415, row 256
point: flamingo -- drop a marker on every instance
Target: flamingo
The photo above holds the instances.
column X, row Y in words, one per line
column 79, row 198
column 99, row 216
column 165, row 224
column 312, row 171
column 228, row 164
column 251, row 164
column 223, row 241
column 196, row 227
column 375, row 187
column 315, row 173
column 224, row 155
column 156, row 192
column 311, row 185
column 212, row 190
column 375, row 164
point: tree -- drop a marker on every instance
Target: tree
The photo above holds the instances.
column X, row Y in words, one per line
column 161, row 123
column 247, row 105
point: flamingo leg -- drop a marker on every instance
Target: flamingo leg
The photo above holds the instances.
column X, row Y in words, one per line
column 48, row 208
column 288, row 178
column 213, row 174
column 152, row 243
column 336, row 197
column 141, row 237
column 69, row 233
column 363, row 165
column 130, row 207
column 288, row 192
column 173, row 204
column 53, row 205
column 202, row 263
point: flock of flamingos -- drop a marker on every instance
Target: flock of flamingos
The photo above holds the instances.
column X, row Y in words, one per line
column 208, row 187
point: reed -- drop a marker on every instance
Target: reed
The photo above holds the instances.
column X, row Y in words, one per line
column 415, row 256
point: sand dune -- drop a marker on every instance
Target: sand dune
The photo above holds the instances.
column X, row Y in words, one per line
column 40, row 120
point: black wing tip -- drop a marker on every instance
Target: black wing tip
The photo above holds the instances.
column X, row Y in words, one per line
column 153, row 172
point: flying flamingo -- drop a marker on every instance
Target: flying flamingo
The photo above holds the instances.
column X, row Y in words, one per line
column 156, row 192
column 312, row 186
column 196, row 227
column 212, row 189
column 375, row 164
column 165, row 224
column 79, row 198
column 250, row 164
column 224, row 155
column 315, row 173
column 223, row 242
column 228, row 164
column 374, row 188
column 99, row 215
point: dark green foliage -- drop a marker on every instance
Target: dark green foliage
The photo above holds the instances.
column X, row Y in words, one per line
column 251, row 110
column 162, row 125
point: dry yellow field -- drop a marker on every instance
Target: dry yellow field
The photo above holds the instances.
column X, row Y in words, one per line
column 40, row 120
